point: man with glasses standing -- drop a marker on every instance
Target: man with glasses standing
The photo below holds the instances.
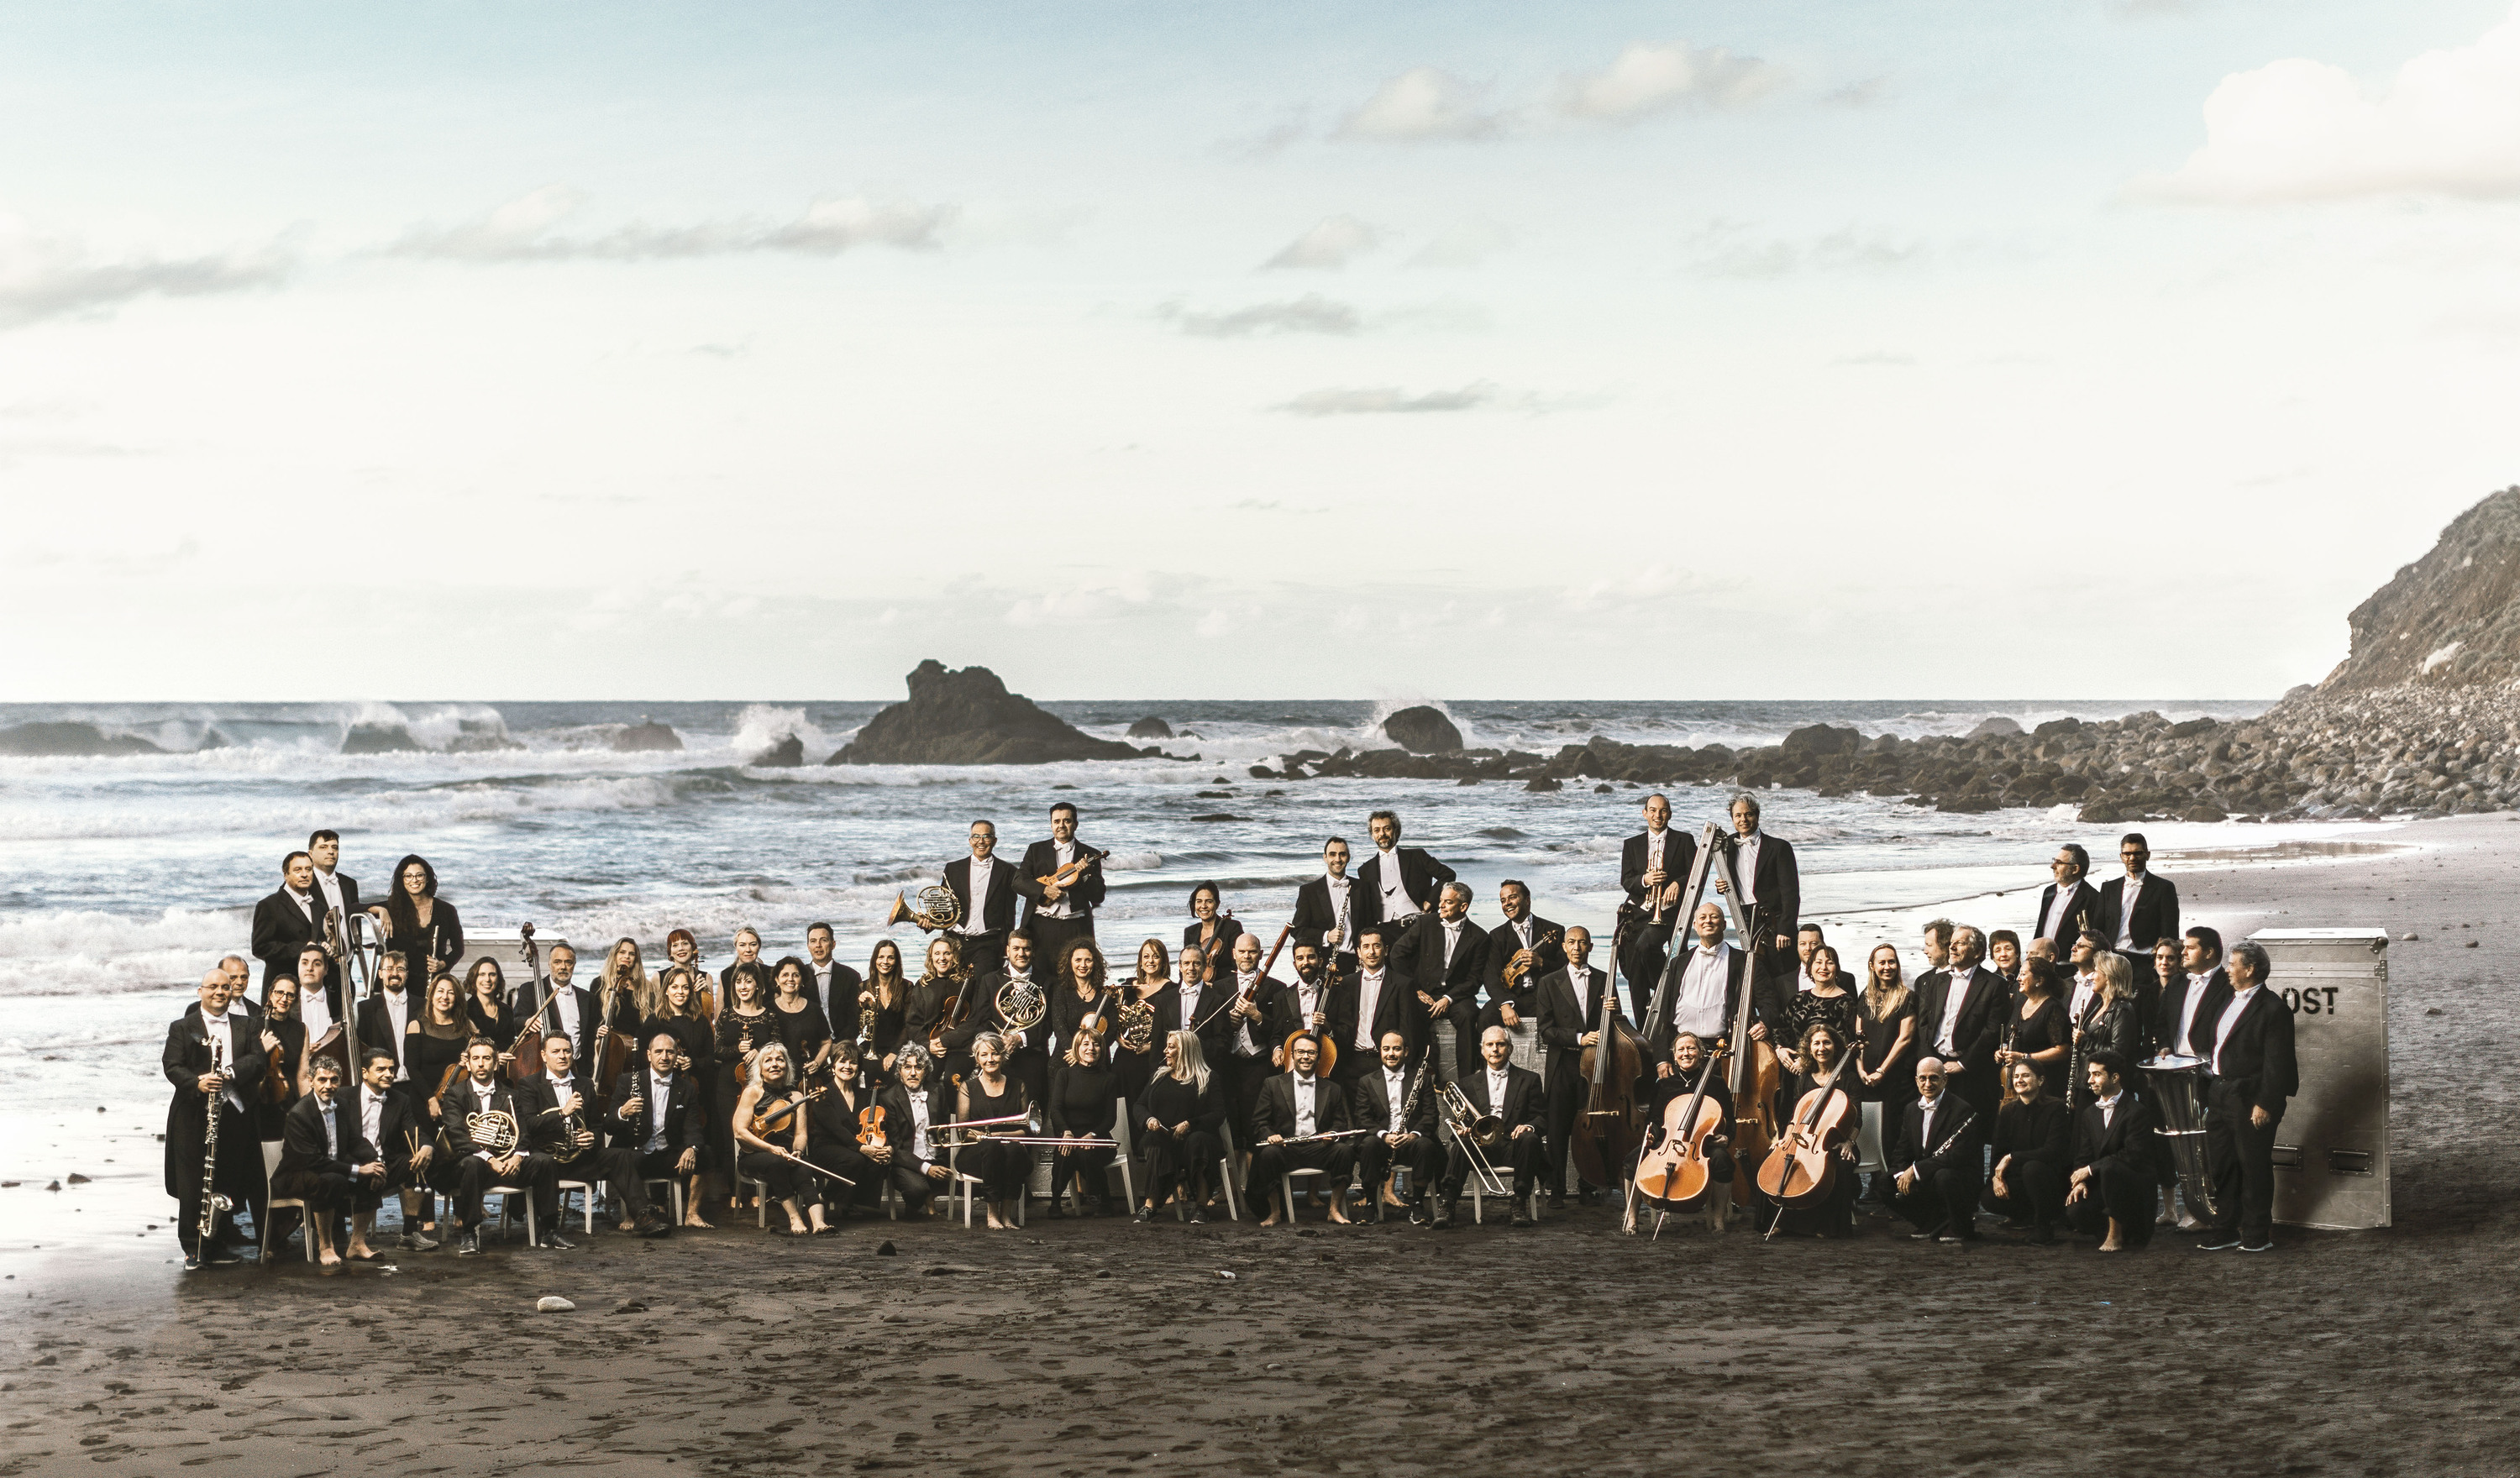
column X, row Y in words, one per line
column 2067, row 903
column 985, row 885
column 2137, row 912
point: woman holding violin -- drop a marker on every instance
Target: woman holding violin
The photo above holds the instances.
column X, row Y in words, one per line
column 801, row 1023
column 2040, row 1030
column 745, row 1028
column 1077, row 1004
column 284, row 1050
column 1084, row 1103
column 1822, row 1108
column 988, row 1093
column 835, row 1104
column 1212, row 933
column 2032, row 1132
column 682, row 949
column 938, row 993
column 624, row 996
column 770, row 1090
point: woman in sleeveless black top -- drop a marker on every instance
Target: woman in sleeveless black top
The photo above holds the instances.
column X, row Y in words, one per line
column 1002, row 1169
column 773, row 1080
column 1084, row 1102
column 2043, row 1030
column 891, row 991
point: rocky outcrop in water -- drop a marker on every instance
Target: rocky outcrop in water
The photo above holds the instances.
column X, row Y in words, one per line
column 380, row 738
column 647, row 735
column 2448, row 620
column 1422, row 731
column 966, row 717
column 56, row 738
column 1151, row 728
column 787, row 752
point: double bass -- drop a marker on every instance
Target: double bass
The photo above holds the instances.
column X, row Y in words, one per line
column 526, row 1059
column 1607, row 1131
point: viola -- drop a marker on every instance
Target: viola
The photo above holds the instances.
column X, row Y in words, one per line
column 1674, row 1171
column 1800, row 1167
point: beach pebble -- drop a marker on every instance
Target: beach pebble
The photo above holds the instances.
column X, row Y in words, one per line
column 883, row 1250
column 630, row 1306
column 551, row 1303
column 2408, row 937
column 2471, row 944
column 1225, row 1274
column 2432, row 1011
column 56, row 1185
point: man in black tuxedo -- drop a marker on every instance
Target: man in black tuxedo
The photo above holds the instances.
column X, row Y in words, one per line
column 1295, row 1105
column 1324, row 1002
column 1404, row 1133
column 1571, row 1019
column 1701, row 991
column 384, row 1019
column 546, row 1101
column 209, row 1058
column 2253, row 1074
column 573, row 1007
column 476, row 1166
column 1196, row 1005
column 288, row 920
column 911, row 1106
column 656, row 1124
column 2139, row 910
column 1960, row 1020
column 2116, row 1160
column 397, row 1125
column 1380, row 999
column 2190, row 1004
column 1522, row 941
column 1775, row 883
column 324, row 1160
column 1253, row 1004
column 1654, row 864
column 831, row 985
column 1057, row 916
column 1444, row 958
column 984, row 883
column 1397, row 885
column 1027, row 1047
column 1938, row 1161
column 2067, row 905
column 1326, row 908
column 1517, row 1096
column 338, row 891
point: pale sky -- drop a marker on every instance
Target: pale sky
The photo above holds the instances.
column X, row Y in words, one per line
column 2046, row 349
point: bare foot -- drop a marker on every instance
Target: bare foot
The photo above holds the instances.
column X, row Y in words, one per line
column 697, row 1219
column 797, row 1228
column 1271, row 1220
column 328, row 1259
column 2112, row 1245
column 362, row 1252
column 994, row 1224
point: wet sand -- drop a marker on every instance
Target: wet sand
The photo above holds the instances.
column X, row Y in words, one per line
column 1105, row 1347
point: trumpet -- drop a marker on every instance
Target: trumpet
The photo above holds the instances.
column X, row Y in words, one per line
column 938, row 909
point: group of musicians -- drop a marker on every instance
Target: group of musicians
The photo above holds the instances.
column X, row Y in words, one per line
column 2007, row 1073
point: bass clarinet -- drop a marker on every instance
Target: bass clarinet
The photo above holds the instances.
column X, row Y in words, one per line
column 212, row 1203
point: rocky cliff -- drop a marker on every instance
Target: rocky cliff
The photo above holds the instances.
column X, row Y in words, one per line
column 2448, row 620
column 966, row 717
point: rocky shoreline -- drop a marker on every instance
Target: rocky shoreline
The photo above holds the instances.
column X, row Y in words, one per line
column 2315, row 756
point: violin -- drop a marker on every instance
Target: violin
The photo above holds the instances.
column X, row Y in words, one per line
column 1674, row 1170
column 1800, row 1167
column 780, row 1117
column 871, row 1129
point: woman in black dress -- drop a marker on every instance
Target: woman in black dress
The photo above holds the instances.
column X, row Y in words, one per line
column 1885, row 1019
column 485, row 1004
column 773, row 1082
column 1829, row 1003
column 422, row 926
column 1135, row 996
column 1083, row 1103
column 745, row 1027
column 2112, row 1021
column 624, row 995
column 433, row 1045
column 284, row 1047
column 802, row 1024
column 1820, row 1050
column 988, row 1093
column 2041, row 1031
column 1211, row 931
column 1080, row 1004
column 684, row 950
column 891, row 988
column 680, row 1018
column 1175, row 1119
column 2031, row 1127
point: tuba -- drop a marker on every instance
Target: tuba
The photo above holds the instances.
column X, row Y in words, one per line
column 938, row 909
column 493, row 1130
column 1021, row 1005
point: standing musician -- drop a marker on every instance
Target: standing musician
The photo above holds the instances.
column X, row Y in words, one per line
column 1703, row 984
column 1398, row 1103
column 1055, row 912
column 1252, row 998
column 1962, row 1009
column 401, row 1135
column 1177, row 1114
column 1513, row 1095
column 1296, row 1107
column 1772, row 882
column 2139, row 910
column 682, row 948
column 696, row 1057
column 834, row 986
column 772, row 1084
column 1027, row 1047
column 1397, row 885
column 1571, row 1002
column 1195, row 1004
column 939, row 987
column 1520, row 952
column 479, row 1167
column 2251, row 1041
column 2113, row 1021
column 339, row 889
column 288, row 920
column 984, row 883
column 1444, row 961
column 912, row 1106
column 422, row 926
column 888, row 990
column 211, row 1059
column 657, row 1117
column 1380, row 1001
column 435, row 1048
column 1934, row 1167
column 1314, row 1004
column 2116, row 1154
column 283, row 1037
column 1136, row 999
column 572, row 1011
column 1654, row 866
column 2185, row 1017
column 385, row 1018
column 324, row 1160
column 1210, row 932
column 2068, row 905
column 1326, row 908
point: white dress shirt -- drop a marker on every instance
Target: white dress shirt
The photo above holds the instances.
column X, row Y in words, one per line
column 1453, row 938
column 2054, row 919
column 1396, row 904
column 919, row 1146
column 1190, row 996
column 564, row 1009
column 1749, row 871
column 2109, row 1109
column 2230, row 1018
column 1496, row 1089
column 372, row 1117
column 1343, row 911
column 1308, row 1095
column 1369, row 992
column 1395, row 1092
column 660, row 1092
column 331, row 887
column 305, row 903
column 1065, row 908
column 2128, row 892
column 2086, row 986
column 1704, row 981
column 398, row 1012
column 2187, row 1013
column 970, row 923
column 1926, row 1124
column 1954, row 997
column 1244, row 1045
column 325, row 1116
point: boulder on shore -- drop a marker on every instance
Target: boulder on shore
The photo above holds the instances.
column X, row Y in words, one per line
column 1998, row 727
column 966, row 717
column 789, row 752
column 1151, row 728
column 647, row 734
column 50, row 738
column 1422, row 731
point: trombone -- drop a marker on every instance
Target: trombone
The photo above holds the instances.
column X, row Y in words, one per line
column 1476, row 1133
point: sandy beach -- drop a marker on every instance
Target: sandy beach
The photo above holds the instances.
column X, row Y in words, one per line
column 1091, row 1348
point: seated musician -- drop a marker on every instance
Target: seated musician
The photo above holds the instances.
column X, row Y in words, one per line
column 1396, row 1102
column 1934, row 1167
column 770, row 1155
column 390, row 1123
column 832, row 1145
column 1821, row 1051
column 1516, row 1099
column 2033, row 1129
column 657, row 1126
column 989, row 1092
column 1084, row 1105
column 1175, row 1123
column 912, row 1106
column 561, row 1115
column 1688, row 1056
column 480, row 1091
column 1296, row 1108
column 2116, row 1152
column 323, row 1160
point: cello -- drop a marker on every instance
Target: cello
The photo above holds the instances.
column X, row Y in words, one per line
column 1673, row 1172
column 1608, row 1129
column 527, row 1050
column 1800, row 1167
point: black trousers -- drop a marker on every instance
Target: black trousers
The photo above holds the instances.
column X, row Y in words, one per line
column 1243, row 1079
column 910, row 1181
column 2118, row 1192
column 987, row 951
column 1519, row 1151
column 1941, row 1200
column 1421, row 1153
column 866, row 1188
column 323, row 1190
column 1270, row 1162
column 1567, row 1096
column 777, row 1173
column 628, row 1171
column 1000, row 1169
column 2038, row 1193
column 238, row 1176
column 538, row 1175
column 1648, row 950
column 1175, row 1162
column 1464, row 1016
column 2243, row 1159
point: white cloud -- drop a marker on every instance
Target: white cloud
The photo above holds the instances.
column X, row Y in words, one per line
column 1311, row 313
column 44, row 277
column 1725, row 248
column 2449, row 123
column 1329, row 245
column 520, row 231
column 1388, row 400
column 1465, row 245
column 1650, row 77
column 1422, row 103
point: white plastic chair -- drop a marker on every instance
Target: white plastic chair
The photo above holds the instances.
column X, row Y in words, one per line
column 272, row 1203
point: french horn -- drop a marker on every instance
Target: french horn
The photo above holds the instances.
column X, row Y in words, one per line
column 493, row 1130
column 1020, row 1004
column 938, row 909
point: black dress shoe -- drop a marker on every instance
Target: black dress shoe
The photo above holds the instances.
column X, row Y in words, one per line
column 1443, row 1213
column 653, row 1227
column 1521, row 1217
column 1930, row 1234
column 1557, row 1203
column 552, row 1241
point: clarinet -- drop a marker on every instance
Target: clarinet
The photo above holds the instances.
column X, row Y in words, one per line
column 212, row 1203
column 1954, row 1135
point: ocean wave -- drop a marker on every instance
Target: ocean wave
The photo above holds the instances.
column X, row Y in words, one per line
column 761, row 726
